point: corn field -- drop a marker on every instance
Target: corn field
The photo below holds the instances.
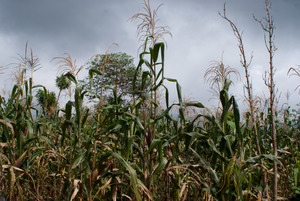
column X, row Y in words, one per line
column 148, row 149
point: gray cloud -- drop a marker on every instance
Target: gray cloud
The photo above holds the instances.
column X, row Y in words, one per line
column 200, row 35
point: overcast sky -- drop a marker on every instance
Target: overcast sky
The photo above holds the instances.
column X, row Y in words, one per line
column 200, row 36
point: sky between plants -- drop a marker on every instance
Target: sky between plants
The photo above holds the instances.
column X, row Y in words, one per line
column 200, row 36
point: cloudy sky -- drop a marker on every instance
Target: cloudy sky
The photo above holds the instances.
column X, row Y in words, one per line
column 200, row 36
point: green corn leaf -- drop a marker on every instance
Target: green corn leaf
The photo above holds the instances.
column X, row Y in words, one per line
column 37, row 86
column 15, row 94
column 206, row 165
column 255, row 159
column 236, row 112
column 158, row 169
column 231, row 124
column 227, row 174
column 178, row 87
column 47, row 140
column 30, row 131
column 132, row 175
column 26, row 87
column 141, row 62
column 228, row 143
column 273, row 158
column 78, row 160
column 214, row 148
column 145, row 76
column 226, row 107
column 164, row 113
column 30, row 84
column 71, row 77
column 138, row 121
column 149, row 66
column 68, row 110
column 171, row 79
column 154, row 144
column 78, row 106
column 223, row 97
column 196, row 135
column 85, row 116
column 148, row 98
column 194, row 104
column 158, row 85
column 91, row 75
column 167, row 96
column 160, row 72
column 162, row 52
column 155, row 51
column 137, row 70
column 296, row 174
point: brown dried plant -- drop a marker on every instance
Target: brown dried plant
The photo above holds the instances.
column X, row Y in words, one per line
column 250, row 98
column 148, row 26
column 18, row 75
column 268, row 27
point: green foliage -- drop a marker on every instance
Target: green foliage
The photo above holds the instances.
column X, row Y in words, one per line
column 116, row 70
column 47, row 100
column 62, row 82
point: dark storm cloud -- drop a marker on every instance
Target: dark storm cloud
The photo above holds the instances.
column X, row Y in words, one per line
column 206, row 36
column 200, row 35
column 72, row 25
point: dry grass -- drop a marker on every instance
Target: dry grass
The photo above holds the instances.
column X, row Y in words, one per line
column 148, row 26
column 29, row 61
column 67, row 65
column 19, row 75
column 217, row 73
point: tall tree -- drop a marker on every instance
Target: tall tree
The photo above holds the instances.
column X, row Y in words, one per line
column 117, row 71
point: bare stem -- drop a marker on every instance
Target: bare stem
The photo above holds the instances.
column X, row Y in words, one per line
column 268, row 27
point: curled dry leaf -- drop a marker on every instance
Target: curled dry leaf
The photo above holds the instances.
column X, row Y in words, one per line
column 19, row 161
column 76, row 190
column 102, row 189
column 7, row 124
column 5, row 158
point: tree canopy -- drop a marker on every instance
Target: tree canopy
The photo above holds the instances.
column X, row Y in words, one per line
column 117, row 72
